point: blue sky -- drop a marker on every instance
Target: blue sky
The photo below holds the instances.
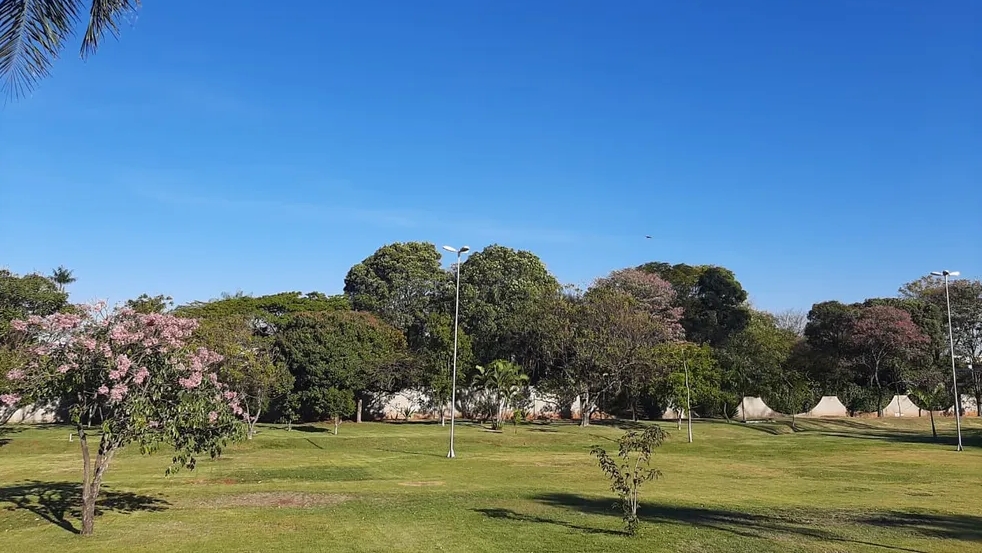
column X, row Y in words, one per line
column 819, row 149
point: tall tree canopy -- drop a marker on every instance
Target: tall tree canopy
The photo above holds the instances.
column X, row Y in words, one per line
column 345, row 350
column 22, row 296
column 269, row 312
column 966, row 324
column 33, row 34
column 399, row 283
column 883, row 338
column 712, row 299
column 499, row 287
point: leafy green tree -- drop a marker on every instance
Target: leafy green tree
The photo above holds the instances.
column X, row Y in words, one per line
column 712, row 299
column 291, row 408
column 750, row 356
column 62, row 277
column 347, row 350
column 331, row 402
column 150, row 304
column 690, row 378
column 932, row 391
column 23, row 296
column 628, row 473
column 503, row 381
column 830, row 351
column 499, row 287
column 249, row 365
column 431, row 345
column 268, row 312
column 401, row 283
column 614, row 339
column 788, row 390
column 966, row 323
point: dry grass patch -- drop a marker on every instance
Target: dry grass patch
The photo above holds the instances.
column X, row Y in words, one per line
column 274, row 499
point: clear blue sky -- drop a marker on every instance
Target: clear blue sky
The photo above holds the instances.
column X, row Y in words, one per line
column 819, row 149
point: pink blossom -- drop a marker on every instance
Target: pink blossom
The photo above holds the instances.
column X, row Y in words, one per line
column 212, row 417
column 64, row 368
column 18, row 325
column 99, row 305
column 103, row 390
column 213, row 378
column 34, row 320
column 15, row 374
column 88, row 343
column 64, row 321
column 118, row 392
column 141, row 375
column 115, row 374
column 235, row 407
column 192, row 381
column 123, row 363
column 9, row 399
column 230, row 395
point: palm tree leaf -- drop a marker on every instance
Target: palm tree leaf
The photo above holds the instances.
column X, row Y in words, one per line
column 104, row 16
column 32, row 34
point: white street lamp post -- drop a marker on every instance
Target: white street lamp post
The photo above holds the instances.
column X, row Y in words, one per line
column 951, row 344
column 456, row 318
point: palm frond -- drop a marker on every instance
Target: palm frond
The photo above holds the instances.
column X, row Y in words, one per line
column 33, row 34
column 105, row 15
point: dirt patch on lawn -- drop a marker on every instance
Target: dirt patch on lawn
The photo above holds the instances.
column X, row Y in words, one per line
column 417, row 484
column 275, row 499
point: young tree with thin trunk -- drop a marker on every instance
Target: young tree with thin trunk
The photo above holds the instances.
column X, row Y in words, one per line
column 137, row 374
column 627, row 477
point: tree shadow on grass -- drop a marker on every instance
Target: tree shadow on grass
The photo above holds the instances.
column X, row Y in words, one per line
column 311, row 428
column 508, row 514
column 800, row 522
column 6, row 431
column 56, row 501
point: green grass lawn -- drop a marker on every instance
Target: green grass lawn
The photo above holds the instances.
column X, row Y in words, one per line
column 846, row 485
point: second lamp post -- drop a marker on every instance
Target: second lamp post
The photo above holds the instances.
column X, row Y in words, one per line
column 456, row 318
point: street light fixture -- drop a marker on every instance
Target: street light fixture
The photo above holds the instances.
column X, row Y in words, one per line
column 951, row 344
column 456, row 318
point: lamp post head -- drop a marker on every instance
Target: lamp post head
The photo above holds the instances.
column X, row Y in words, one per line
column 945, row 273
column 466, row 249
column 449, row 249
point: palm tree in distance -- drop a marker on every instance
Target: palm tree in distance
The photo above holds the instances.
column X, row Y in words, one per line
column 33, row 34
column 60, row 276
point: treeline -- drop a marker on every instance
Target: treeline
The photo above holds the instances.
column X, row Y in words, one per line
column 635, row 343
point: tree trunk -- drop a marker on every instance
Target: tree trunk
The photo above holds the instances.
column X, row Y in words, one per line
column 793, row 427
column 358, row 411
column 251, row 423
column 934, row 431
column 678, row 414
column 634, row 412
column 337, row 421
column 585, row 409
column 443, row 416
column 92, row 479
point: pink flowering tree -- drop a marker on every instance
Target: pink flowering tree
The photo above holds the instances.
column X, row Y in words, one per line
column 133, row 373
